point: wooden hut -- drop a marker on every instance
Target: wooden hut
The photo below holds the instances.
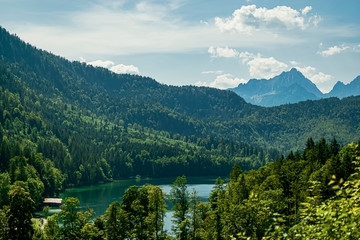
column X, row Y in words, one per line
column 52, row 202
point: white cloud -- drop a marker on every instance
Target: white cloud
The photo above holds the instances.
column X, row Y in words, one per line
column 334, row 50
column 339, row 49
column 82, row 59
column 268, row 67
column 249, row 18
column 260, row 67
column 294, row 63
column 119, row 68
column 314, row 75
column 213, row 72
column 306, row 10
column 247, row 56
column 321, row 80
column 223, row 52
column 101, row 63
column 117, row 27
column 223, row 81
column 112, row 4
column 201, row 84
column 321, row 77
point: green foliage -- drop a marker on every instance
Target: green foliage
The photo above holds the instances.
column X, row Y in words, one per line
column 179, row 196
column 114, row 230
column 337, row 217
column 139, row 216
column 91, row 232
column 38, row 232
column 95, row 125
column 20, row 214
column 66, row 124
column 62, row 141
column 4, row 223
column 52, row 227
column 69, row 217
column 155, row 218
column 286, row 199
column 4, row 188
column 280, row 201
column 75, row 221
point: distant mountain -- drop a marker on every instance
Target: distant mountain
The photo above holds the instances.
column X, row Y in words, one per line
column 288, row 87
column 341, row 90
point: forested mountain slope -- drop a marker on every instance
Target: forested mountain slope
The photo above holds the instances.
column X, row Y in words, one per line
column 289, row 126
column 64, row 123
column 183, row 110
column 95, row 125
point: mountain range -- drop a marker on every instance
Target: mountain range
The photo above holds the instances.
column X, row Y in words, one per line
column 342, row 90
column 290, row 87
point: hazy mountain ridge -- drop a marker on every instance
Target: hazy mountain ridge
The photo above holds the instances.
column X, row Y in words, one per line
column 290, row 87
column 342, row 90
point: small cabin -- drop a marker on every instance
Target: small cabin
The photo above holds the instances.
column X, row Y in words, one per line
column 52, row 202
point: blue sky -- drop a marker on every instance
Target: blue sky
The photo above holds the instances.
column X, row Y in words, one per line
column 216, row 43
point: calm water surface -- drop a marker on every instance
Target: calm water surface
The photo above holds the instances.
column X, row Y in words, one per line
column 99, row 197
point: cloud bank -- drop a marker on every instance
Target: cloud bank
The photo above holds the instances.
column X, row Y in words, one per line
column 250, row 18
column 338, row 49
column 222, row 52
column 260, row 67
column 223, row 81
column 119, row 68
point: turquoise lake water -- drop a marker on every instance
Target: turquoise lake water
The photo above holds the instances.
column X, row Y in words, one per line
column 99, row 197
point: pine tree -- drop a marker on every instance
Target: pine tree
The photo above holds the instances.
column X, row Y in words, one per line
column 179, row 196
column 156, row 212
column 112, row 224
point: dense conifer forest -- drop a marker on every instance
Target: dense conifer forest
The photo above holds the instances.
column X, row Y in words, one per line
column 65, row 124
column 309, row 195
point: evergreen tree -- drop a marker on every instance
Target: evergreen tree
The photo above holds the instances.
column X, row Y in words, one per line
column 68, row 214
column 179, row 196
column 20, row 214
column 113, row 222
column 4, row 189
column 216, row 200
column 156, row 213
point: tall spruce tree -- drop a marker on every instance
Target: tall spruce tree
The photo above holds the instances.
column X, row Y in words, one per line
column 179, row 196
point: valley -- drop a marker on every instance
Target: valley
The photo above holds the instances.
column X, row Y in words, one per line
column 67, row 124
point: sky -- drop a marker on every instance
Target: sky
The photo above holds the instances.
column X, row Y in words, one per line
column 215, row 43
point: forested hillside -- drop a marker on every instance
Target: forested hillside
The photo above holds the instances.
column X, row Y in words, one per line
column 67, row 124
column 309, row 195
column 94, row 125
column 187, row 110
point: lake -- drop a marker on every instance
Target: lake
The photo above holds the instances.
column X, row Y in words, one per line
column 99, row 197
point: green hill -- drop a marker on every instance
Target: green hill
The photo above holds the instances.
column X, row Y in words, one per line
column 95, row 125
